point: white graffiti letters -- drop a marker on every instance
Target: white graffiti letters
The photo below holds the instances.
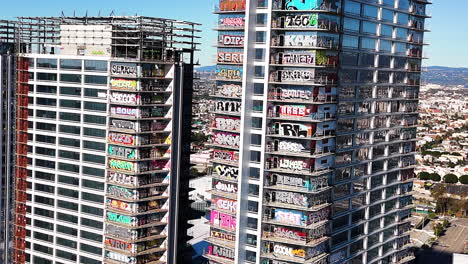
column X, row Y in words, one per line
column 226, row 139
column 292, row 164
column 227, row 123
column 225, row 187
column 228, row 172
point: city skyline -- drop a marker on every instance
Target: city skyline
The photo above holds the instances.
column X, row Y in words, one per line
column 443, row 38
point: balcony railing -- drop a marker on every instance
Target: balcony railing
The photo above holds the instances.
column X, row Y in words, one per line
column 320, row 98
column 309, row 117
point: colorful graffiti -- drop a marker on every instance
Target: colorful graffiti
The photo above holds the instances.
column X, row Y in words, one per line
column 124, row 139
column 120, row 178
column 230, row 57
column 221, row 252
column 224, row 186
column 225, row 155
column 232, row 40
column 230, row 90
column 222, row 220
column 123, row 84
column 290, row 217
column 227, row 171
column 225, row 204
column 294, row 110
column 124, row 111
column 222, row 236
column 119, row 205
column 122, row 192
column 123, row 219
column 226, row 139
column 229, row 73
column 124, row 69
column 123, row 152
column 294, row 21
column 124, row 98
column 121, row 165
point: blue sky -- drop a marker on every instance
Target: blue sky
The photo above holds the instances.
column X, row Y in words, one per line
column 448, row 37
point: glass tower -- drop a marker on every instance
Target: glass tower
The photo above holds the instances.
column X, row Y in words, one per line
column 314, row 132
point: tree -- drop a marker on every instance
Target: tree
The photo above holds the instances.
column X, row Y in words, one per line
column 438, row 193
column 435, row 177
column 450, row 178
column 445, row 223
column 464, row 179
column 438, row 229
column 423, row 175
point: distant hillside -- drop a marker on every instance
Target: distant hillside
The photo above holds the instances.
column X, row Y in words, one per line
column 445, row 75
column 211, row 68
column 433, row 74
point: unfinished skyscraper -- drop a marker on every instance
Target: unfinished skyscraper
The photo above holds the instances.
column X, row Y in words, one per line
column 7, row 90
column 315, row 130
column 103, row 130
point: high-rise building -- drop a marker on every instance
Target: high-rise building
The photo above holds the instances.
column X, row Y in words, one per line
column 102, row 165
column 7, row 120
column 314, row 130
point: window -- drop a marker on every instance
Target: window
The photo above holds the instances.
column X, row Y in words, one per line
column 93, row 172
column 369, row 27
column 69, row 180
column 94, row 158
column 43, row 212
column 351, row 24
column 67, row 218
column 70, row 104
column 255, row 139
column 43, row 76
column 66, row 242
column 70, row 64
column 353, row 8
column 44, row 188
column 370, row 11
column 94, row 145
column 46, row 63
column 45, row 176
column 68, row 192
column 402, row 19
column 91, row 236
column 67, row 205
column 387, row 15
column 339, row 238
column 368, row 43
column 92, row 197
column 73, row 117
column 349, row 58
column 92, row 184
column 39, row 260
column 385, row 45
column 257, row 122
column 44, row 200
column 91, row 223
column 401, row 33
column 46, row 114
column 67, row 230
column 45, row 151
column 261, row 19
column 260, row 37
column 91, row 249
column 350, row 41
column 92, row 119
column 260, row 54
column 70, row 78
column 94, row 93
column 92, row 132
column 253, row 189
column 45, row 163
column 43, row 225
column 69, row 142
column 386, row 31
column 43, row 249
column 69, row 129
column 97, row 80
column 65, row 255
column 71, row 91
column 46, row 101
column 95, row 65
column 91, row 210
column 46, row 139
column 95, row 106
column 46, row 89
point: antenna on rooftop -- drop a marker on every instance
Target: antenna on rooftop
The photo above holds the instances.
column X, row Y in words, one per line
column 63, row 14
column 86, row 13
column 112, row 13
column 99, row 13
column 74, row 15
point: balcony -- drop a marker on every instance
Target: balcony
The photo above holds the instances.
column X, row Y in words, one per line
column 298, row 131
column 309, row 117
column 135, row 222
column 301, row 6
column 310, row 185
column 136, row 168
column 142, row 127
column 302, row 77
column 304, row 23
column 230, row 6
column 321, row 60
column 304, row 42
column 294, row 253
column 305, row 242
